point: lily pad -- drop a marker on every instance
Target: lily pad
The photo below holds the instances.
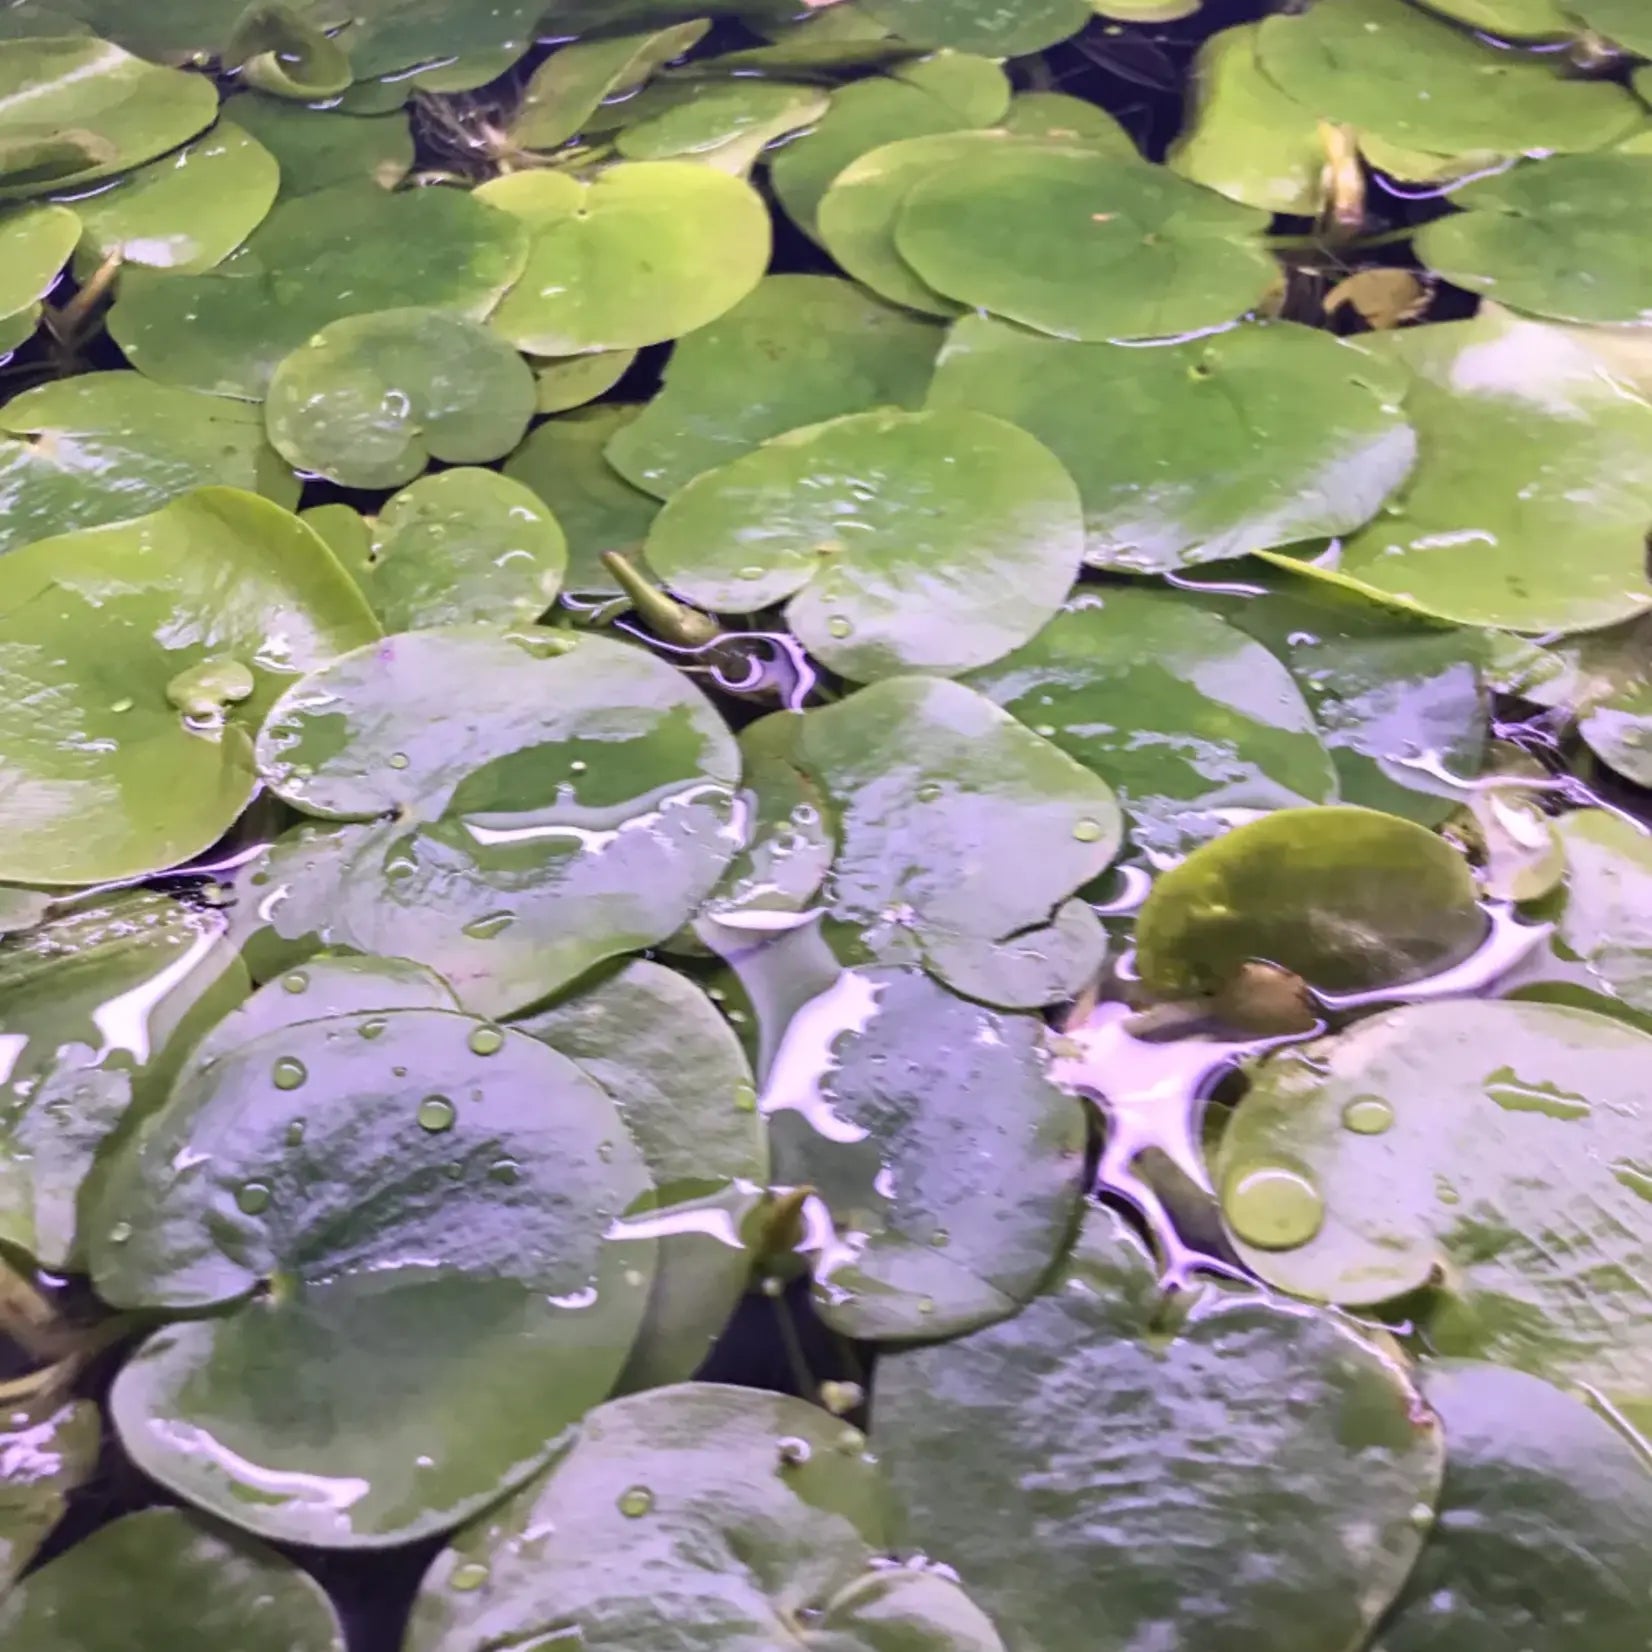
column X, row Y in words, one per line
column 1509, row 19
column 35, row 244
column 1072, row 241
column 196, row 1591
column 74, row 109
column 987, row 26
column 1348, row 899
column 662, row 247
column 369, row 401
column 799, row 350
column 285, row 898
column 878, row 1099
column 386, row 36
column 315, row 260
column 723, row 123
column 1621, row 21
column 560, row 800
column 186, row 212
column 757, row 1519
column 280, row 52
column 1262, row 435
column 679, row 1078
column 1244, row 1473
column 331, row 1166
column 45, row 1453
column 564, row 382
column 135, row 661
column 1191, row 720
column 103, row 447
column 1551, row 238
column 100, row 1004
column 1434, row 1184
column 1062, row 118
column 1544, row 1525
column 317, row 149
column 906, row 541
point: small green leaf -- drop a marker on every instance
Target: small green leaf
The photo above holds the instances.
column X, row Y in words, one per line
column 35, row 243
column 46, row 1452
column 318, row 149
column 986, row 26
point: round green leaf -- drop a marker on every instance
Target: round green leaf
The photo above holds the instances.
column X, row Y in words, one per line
column 74, row 109
column 46, row 1451
column 876, row 1099
column 799, row 350
column 1622, row 21
column 1544, row 1527
column 987, row 26
column 1348, row 899
column 315, row 260
column 757, row 1520
column 1553, row 238
column 559, row 800
column 35, row 243
column 192, row 1589
column 389, row 35
column 1256, row 437
column 662, row 247
column 1518, row 423
column 563, row 461
column 102, row 447
column 1191, row 720
column 318, row 149
column 369, row 401
column 953, row 819
column 1083, row 244
column 285, row 899
column 1106, row 1471
column 282, row 53
column 1509, row 19
column 186, row 212
column 907, row 541
column 406, row 1218
column 572, row 381
column 135, row 659
column 1061, row 118
column 722, row 123
column 1504, row 1164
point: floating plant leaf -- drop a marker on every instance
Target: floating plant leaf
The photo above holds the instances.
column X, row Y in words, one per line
column 1553, row 238
column 185, row 212
column 953, row 819
column 661, row 247
column 929, row 541
column 723, row 123
column 286, row 897
column 1509, row 19
column 1062, row 118
column 100, row 1004
column 560, row 800
column 987, row 26
column 35, row 244
column 571, row 381
column 879, row 1098
column 24, row 20
column 1110, row 1469
column 1623, row 21
column 799, row 350
column 386, row 36
column 74, row 109
column 422, row 1202
column 318, row 149
column 46, row 1451
column 193, row 1589
column 369, row 401
column 135, row 660
column 1437, row 1188
column 1262, row 435
column 1083, row 244
column 1348, row 899
column 1544, row 1526
column 1035, row 967
column 679, row 1078
column 757, row 1519
column 280, row 52
column 563, row 462
column 315, row 260
column 1187, row 717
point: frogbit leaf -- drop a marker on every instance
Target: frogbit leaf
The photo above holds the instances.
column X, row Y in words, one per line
column 986, row 26
column 47, row 1450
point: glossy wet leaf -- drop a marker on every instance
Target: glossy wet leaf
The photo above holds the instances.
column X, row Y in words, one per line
column 949, row 1163
column 135, row 660
column 425, row 1200
column 315, row 260
column 1259, row 436
column 564, row 382
column 197, row 1591
column 35, row 243
column 317, row 149
column 184, row 212
column 1545, row 1522
column 1525, row 442
column 564, row 462
column 390, row 35
column 725, row 124
column 74, row 109
column 986, row 26
column 1082, row 244
column 371, row 400
column 1349, row 899
column 103, row 447
column 279, row 51
column 46, row 1452
column 286, row 896
column 1234, row 1474
column 1551, row 238
column 758, row 1519
column 799, row 350
column 1621, row 21
column 677, row 1074
column 1063, row 118
column 906, row 541
column 1194, row 723
column 1510, row 19
column 561, row 800
column 1537, row 1271
column 662, row 247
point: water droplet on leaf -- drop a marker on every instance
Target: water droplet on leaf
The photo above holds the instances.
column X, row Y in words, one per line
column 253, row 1198
column 288, row 1073
column 1368, row 1116
column 635, row 1502
column 436, row 1114
column 486, row 1041
column 1274, row 1207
